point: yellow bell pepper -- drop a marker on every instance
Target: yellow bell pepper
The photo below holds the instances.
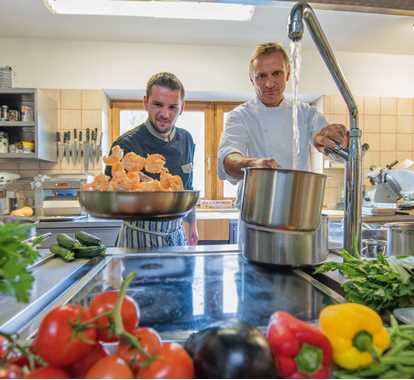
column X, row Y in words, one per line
column 356, row 333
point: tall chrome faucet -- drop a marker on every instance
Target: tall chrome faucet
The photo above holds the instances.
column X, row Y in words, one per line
column 353, row 186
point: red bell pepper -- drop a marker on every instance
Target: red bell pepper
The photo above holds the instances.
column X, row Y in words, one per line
column 300, row 350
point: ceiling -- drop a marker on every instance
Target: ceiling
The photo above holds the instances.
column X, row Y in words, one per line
column 346, row 31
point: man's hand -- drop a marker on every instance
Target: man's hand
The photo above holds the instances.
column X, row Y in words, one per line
column 263, row 163
column 331, row 135
column 235, row 162
column 192, row 238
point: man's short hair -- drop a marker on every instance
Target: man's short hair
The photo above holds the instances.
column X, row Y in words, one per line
column 167, row 80
column 267, row 49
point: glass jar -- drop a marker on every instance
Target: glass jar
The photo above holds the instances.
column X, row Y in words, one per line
column 4, row 142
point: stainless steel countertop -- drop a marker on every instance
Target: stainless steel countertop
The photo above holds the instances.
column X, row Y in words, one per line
column 56, row 280
column 78, row 223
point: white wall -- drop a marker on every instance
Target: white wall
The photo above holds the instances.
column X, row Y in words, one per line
column 206, row 69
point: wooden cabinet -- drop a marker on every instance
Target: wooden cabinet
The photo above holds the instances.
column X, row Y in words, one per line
column 36, row 113
column 212, row 230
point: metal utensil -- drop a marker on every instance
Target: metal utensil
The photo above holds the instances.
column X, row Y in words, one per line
column 65, row 145
column 59, row 152
column 98, row 147
column 69, row 147
column 80, row 146
column 75, row 149
column 138, row 205
column 283, row 199
column 94, row 147
column 86, row 148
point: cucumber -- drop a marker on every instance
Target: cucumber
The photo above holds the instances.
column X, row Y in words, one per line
column 89, row 252
column 63, row 253
column 66, row 241
column 87, row 239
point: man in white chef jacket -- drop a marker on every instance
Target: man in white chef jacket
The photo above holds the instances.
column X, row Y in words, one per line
column 259, row 132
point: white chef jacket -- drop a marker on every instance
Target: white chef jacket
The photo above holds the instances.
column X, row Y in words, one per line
column 255, row 130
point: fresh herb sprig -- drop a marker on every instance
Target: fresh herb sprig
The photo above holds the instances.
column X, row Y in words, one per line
column 15, row 257
column 383, row 283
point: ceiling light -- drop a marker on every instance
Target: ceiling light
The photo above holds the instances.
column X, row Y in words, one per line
column 162, row 9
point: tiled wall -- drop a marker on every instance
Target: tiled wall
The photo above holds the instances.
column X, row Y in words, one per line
column 78, row 109
column 387, row 125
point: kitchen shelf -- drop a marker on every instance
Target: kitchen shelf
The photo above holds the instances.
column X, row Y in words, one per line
column 41, row 130
column 18, row 155
column 14, row 124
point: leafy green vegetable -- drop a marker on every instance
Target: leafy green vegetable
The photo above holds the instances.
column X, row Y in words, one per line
column 383, row 283
column 15, row 257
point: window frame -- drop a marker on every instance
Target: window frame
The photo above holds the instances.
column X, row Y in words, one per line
column 214, row 125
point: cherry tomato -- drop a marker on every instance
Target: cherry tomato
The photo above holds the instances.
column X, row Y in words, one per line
column 172, row 362
column 47, row 373
column 57, row 342
column 3, row 346
column 10, row 371
column 150, row 341
column 111, row 367
column 13, row 357
column 105, row 302
column 79, row 369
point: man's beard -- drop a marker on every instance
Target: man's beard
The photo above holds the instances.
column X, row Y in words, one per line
column 162, row 130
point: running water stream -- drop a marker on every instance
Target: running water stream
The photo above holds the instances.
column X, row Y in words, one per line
column 296, row 60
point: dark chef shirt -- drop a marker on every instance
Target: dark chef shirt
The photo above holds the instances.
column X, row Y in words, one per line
column 178, row 152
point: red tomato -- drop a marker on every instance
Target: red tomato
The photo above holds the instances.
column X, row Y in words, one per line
column 172, row 362
column 150, row 341
column 3, row 346
column 47, row 373
column 56, row 341
column 10, row 371
column 105, row 302
column 79, row 369
column 111, row 367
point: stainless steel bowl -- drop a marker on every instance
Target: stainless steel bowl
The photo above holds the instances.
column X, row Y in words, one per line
column 138, row 205
column 283, row 199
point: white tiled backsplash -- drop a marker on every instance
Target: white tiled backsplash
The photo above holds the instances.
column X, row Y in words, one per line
column 387, row 125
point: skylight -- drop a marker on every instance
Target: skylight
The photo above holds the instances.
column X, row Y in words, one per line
column 152, row 8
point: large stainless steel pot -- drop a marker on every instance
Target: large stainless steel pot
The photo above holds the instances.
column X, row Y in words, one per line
column 283, row 199
column 264, row 245
column 400, row 239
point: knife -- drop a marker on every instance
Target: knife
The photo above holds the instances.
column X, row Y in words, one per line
column 92, row 147
column 70, row 147
column 86, row 149
column 98, row 147
column 58, row 147
column 65, row 146
column 80, row 146
column 75, row 147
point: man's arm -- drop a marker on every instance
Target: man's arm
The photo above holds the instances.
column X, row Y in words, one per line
column 235, row 162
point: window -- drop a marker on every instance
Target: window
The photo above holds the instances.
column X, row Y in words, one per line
column 205, row 123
